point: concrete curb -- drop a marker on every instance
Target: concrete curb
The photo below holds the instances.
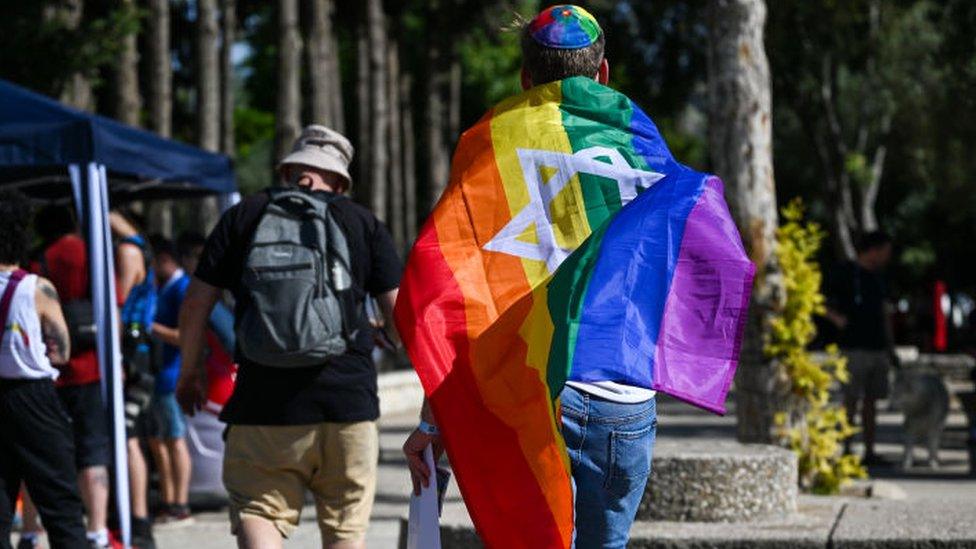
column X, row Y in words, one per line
column 820, row 522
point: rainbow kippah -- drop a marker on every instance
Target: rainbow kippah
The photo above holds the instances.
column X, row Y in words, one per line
column 565, row 26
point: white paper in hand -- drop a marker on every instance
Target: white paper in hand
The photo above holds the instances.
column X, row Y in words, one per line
column 423, row 529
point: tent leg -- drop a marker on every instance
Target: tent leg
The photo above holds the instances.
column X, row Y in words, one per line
column 90, row 188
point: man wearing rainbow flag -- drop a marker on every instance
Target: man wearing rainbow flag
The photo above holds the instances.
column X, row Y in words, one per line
column 571, row 270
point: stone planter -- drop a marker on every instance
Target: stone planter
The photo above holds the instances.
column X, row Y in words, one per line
column 719, row 482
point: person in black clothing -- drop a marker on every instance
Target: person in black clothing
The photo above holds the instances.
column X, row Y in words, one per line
column 298, row 428
column 36, row 440
column 856, row 304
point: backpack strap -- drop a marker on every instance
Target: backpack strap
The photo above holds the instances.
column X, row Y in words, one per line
column 8, row 297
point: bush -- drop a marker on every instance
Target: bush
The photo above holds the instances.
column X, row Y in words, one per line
column 812, row 427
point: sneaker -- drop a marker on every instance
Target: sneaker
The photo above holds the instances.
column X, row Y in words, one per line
column 142, row 537
column 176, row 516
column 143, row 541
column 162, row 516
column 179, row 515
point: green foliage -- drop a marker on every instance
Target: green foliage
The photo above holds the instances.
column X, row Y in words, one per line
column 813, row 428
column 38, row 49
column 491, row 66
column 254, row 135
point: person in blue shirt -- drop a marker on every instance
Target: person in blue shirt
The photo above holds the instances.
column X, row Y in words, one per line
column 168, row 441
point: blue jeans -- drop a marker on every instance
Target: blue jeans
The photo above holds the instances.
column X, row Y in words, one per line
column 610, row 448
column 167, row 417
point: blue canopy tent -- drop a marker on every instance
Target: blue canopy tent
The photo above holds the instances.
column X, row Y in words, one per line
column 53, row 152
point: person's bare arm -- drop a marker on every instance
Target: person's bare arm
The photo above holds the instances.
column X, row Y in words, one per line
column 386, row 302
column 53, row 326
column 194, row 314
column 131, row 267
column 120, row 225
column 166, row 334
column 836, row 317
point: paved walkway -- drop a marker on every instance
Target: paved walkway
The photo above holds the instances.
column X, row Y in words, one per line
column 676, row 421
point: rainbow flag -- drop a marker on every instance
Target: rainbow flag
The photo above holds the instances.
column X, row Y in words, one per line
column 568, row 244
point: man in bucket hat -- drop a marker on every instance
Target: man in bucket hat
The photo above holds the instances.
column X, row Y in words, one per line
column 302, row 415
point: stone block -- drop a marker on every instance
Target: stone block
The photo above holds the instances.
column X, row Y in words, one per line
column 808, row 527
column 921, row 523
column 719, row 481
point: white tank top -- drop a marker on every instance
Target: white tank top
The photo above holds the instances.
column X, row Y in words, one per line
column 23, row 354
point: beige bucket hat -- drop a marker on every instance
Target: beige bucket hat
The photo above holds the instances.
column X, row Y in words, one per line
column 323, row 148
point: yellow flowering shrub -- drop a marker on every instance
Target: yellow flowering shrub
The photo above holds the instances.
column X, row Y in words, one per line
column 812, row 427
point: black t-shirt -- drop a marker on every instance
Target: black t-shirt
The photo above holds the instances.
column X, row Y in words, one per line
column 859, row 295
column 342, row 390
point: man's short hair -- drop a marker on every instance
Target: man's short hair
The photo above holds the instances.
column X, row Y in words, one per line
column 871, row 240
column 55, row 221
column 162, row 246
column 15, row 217
column 545, row 64
column 189, row 243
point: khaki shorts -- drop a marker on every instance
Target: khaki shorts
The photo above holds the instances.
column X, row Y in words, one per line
column 268, row 468
column 868, row 374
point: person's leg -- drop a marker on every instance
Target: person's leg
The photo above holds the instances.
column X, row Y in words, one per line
column 138, row 479
column 136, row 419
column 142, row 535
column 853, row 390
column 258, row 533
column 181, row 467
column 850, row 406
column 87, row 411
column 44, row 448
column 164, row 461
column 93, row 484
column 869, row 422
column 164, row 466
column 876, row 387
column 614, row 463
column 266, row 472
column 179, row 453
column 10, row 480
column 344, row 484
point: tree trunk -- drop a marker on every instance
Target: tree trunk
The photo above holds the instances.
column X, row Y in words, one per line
column 229, row 24
column 378, row 108
column 362, row 107
column 77, row 90
column 160, row 212
column 408, row 161
column 208, row 99
column 208, row 76
column 740, row 142
column 288, row 115
column 323, row 64
column 395, row 193
column 161, row 71
column 128, row 102
column 438, row 165
column 454, row 98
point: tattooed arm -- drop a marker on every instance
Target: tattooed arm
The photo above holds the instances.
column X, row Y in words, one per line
column 53, row 326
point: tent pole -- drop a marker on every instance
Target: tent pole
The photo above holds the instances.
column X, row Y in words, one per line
column 90, row 189
column 113, row 360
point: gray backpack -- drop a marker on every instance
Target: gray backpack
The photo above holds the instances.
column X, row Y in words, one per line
column 296, row 272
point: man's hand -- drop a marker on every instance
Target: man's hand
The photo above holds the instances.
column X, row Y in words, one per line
column 191, row 390
column 838, row 319
column 413, row 448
